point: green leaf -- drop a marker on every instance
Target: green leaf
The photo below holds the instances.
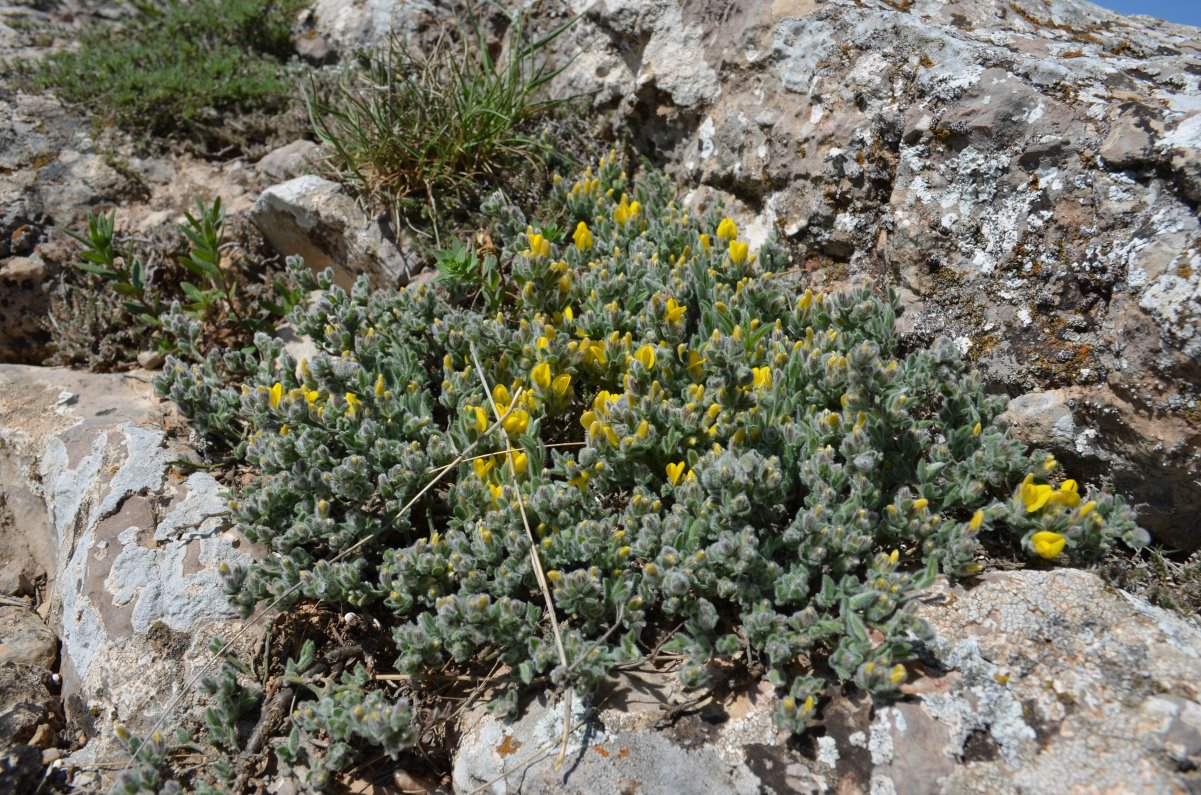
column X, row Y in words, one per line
column 107, row 273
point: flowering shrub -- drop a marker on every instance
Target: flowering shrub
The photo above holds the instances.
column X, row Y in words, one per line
column 687, row 438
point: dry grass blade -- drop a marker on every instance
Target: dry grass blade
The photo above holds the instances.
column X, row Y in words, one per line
column 536, row 563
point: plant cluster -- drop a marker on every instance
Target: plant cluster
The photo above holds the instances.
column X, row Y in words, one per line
column 207, row 279
column 688, row 440
column 426, row 133
column 175, row 69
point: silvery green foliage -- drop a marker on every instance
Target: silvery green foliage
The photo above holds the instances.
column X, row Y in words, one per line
column 695, row 442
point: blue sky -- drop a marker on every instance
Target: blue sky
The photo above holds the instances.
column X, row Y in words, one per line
column 1187, row 12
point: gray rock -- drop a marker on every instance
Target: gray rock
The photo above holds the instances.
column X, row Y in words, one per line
column 1033, row 681
column 345, row 26
column 26, row 705
column 23, row 306
column 1029, row 172
column 288, row 161
column 503, row 757
column 133, row 546
column 24, row 636
column 315, row 218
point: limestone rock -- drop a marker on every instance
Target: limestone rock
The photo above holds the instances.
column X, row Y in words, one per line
column 314, row 218
column 24, row 636
column 1033, row 681
column 131, row 545
column 23, row 306
column 288, row 161
column 27, row 703
column 1028, row 171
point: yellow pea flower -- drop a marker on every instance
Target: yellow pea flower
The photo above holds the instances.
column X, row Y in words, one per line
column 379, row 385
column 561, row 384
column 675, row 473
column 646, row 355
column 920, row 504
column 1087, row 508
column 539, row 245
column 483, row 467
column 1034, row 495
column 737, row 252
column 977, row 520
column 706, row 242
column 520, row 463
column 582, row 236
column 1048, row 545
column 626, row 210
column 500, row 393
column 277, row 394
column 897, row 675
column 644, row 430
column 541, row 375
column 352, row 404
column 727, row 230
column 517, row 421
column 496, row 490
column 587, row 418
column 1066, row 495
column 480, row 416
column 763, row 377
column 675, row 312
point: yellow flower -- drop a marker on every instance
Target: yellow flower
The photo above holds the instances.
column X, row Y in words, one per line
column 1048, row 545
column 977, row 520
column 1087, row 508
column 920, row 504
column 582, row 237
column 496, row 490
column 626, row 210
column 379, row 385
column 561, row 384
column 587, row 418
column 1034, row 495
column 976, row 429
column 352, row 404
column 277, row 393
column 897, row 675
column 541, row 375
column 763, row 377
column 580, row 481
column 517, row 421
column 483, row 467
column 706, row 243
column 284, row 430
column 520, row 462
column 646, row 355
column 480, row 416
column 539, row 246
column 737, row 252
column 675, row 473
column 675, row 312
column 727, row 230
column 500, row 393
column 1066, row 495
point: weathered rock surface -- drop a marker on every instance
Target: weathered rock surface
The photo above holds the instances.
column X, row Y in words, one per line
column 131, row 546
column 1034, row 681
column 24, row 636
column 1027, row 171
column 316, row 219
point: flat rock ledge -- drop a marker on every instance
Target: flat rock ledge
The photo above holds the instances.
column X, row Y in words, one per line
column 1034, row 681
